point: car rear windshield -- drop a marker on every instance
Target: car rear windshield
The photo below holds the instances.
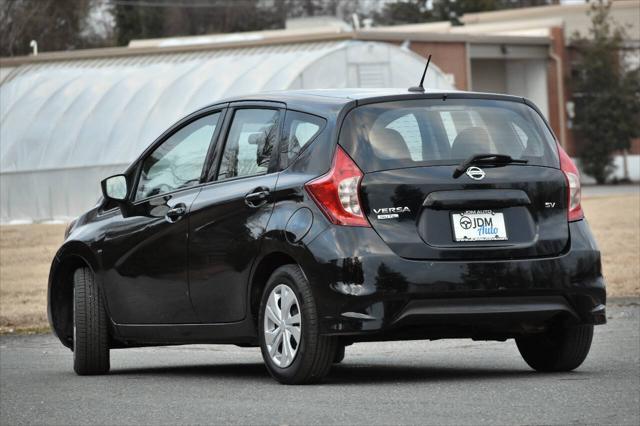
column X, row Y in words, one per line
column 424, row 132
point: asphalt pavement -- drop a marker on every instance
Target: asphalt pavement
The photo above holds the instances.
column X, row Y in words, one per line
column 418, row 382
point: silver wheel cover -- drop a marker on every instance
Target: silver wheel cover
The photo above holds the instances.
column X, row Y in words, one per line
column 282, row 325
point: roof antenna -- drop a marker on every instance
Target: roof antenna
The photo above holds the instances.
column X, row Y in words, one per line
column 420, row 87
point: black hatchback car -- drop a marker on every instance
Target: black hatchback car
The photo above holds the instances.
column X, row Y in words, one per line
column 305, row 221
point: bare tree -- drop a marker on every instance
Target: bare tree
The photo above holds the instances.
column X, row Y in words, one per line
column 54, row 24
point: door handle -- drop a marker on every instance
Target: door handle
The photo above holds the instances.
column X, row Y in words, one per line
column 257, row 198
column 176, row 213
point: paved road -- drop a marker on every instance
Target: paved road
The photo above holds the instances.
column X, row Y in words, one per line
column 443, row 382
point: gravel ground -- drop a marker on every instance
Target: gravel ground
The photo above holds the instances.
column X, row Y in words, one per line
column 441, row 382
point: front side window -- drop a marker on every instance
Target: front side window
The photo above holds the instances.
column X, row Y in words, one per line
column 177, row 163
column 250, row 142
column 300, row 129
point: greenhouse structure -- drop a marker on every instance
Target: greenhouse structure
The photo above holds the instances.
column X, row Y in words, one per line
column 66, row 124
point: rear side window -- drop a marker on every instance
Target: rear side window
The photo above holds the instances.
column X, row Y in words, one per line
column 432, row 132
column 250, row 142
column 300, row 130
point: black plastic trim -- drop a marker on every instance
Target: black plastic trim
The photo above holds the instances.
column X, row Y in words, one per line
column 485, row 198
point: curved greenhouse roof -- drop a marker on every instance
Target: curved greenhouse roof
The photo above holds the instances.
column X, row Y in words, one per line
column 65, row 125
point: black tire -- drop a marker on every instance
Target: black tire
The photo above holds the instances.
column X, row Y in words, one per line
column 315, row 353
column 560, row 349
column 339, row 357
column 90, row 332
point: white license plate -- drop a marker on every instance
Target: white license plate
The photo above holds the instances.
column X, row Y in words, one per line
column 479, row 225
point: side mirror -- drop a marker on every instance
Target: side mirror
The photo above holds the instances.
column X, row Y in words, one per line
column 115, row 188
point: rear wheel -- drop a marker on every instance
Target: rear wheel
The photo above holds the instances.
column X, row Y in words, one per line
column 559, row 349
column 90, row 332
column 292, row 348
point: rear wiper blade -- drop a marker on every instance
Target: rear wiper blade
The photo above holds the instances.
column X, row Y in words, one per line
column 496, row 159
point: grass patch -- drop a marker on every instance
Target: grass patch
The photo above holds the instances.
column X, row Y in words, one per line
column 28, row 330
column 615, row 222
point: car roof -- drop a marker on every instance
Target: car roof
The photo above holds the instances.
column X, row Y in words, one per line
column 332, row 101
column 358, row 94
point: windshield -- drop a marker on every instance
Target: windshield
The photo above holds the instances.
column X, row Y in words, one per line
column 433, row 131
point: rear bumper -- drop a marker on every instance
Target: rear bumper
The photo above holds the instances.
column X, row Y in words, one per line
column 373, row 294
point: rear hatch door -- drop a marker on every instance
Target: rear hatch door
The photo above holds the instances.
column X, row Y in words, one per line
column 418, row 204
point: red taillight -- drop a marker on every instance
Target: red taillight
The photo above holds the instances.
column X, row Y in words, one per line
column 573, row 181
column 337, row 192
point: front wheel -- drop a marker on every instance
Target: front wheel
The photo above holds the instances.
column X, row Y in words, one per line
column 292, row 348
column 90, row 331
column 559, row 349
